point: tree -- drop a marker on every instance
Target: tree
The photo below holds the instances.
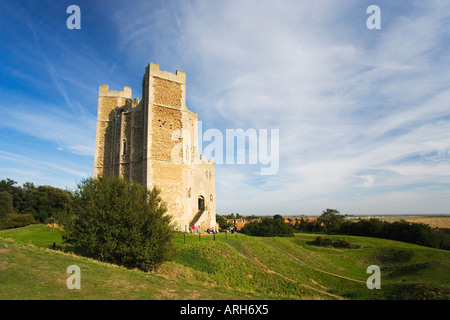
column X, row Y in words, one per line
column 331, row 220
column 7, row 185
column 269, row 227
column 330, row 211
column 17, row 193
column 120, row 222
column 6, row 204
column 223, row 224
column 15, row 220
column 44, row 202
column 402, row 230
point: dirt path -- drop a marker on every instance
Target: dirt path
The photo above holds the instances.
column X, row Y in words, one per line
column 253, row 258
column 295, row 259
column 266, row 269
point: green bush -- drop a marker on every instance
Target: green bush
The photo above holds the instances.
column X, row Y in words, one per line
column 269, row 227
column 443, row 235
column 6, row 204
column 117, row 222
column 14, row 220
column 223, row 224
column 402, row 230
column 338, row 243
column 42, row 201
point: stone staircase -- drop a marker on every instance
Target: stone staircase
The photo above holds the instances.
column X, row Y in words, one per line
column 196, row 218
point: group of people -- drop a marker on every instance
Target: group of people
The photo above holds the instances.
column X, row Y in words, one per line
column 210, row 230
column 195, row 229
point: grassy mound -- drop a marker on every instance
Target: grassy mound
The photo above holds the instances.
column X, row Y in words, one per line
column 229, row 267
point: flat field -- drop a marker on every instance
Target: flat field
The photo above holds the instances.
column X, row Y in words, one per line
column 434, row 222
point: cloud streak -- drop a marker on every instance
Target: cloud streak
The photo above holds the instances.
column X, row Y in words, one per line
column 344, row 106
column 52, row 125
column 363, row 115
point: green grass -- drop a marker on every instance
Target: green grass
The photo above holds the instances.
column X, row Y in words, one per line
column 30, row 271
column 228, row 267
column 38, row 234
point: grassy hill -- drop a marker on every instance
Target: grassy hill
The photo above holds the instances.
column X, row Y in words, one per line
column 235, row 267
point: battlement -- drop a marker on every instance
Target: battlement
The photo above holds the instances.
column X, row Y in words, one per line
column 153, row 70
column 105, row 92
column 135, row 141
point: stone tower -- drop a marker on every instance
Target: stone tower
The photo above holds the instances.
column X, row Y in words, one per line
column 155, row 142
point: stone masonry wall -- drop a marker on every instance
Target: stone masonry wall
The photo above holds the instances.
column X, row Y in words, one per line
column 136, row 146
column 166, row 92
column 136, row 140
column 108, row 102
column 164, row 122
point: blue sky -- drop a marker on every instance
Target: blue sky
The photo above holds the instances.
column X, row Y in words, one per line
column 363, row 115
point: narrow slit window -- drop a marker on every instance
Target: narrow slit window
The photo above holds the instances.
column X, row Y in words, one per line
column 124, row 147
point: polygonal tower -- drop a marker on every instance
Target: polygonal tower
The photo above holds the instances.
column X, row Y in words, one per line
column 155, row 142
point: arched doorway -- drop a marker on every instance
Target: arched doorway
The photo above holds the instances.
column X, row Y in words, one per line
column 201, row 203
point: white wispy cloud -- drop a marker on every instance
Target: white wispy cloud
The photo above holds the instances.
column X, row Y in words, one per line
column 52, row 124
column 344, row 105
column 363, row 114
column 43, row 171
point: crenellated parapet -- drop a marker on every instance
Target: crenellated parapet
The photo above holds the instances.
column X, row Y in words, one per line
column 105, row 92
column 155, row 142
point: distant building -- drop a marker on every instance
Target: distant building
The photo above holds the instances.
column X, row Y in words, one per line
column 239, row 225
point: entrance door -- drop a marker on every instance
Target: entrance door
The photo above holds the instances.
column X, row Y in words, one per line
column 201, row 203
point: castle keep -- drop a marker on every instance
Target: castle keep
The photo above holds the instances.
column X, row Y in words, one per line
column 155, row 142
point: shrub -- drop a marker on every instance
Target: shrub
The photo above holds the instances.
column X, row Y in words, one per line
column 418, row 233
column 307, row 225
column 42, row 201
column 223, row 224
column 269, row 227
column 120, row 223
column 339, row 243
column 6, row 204
column 443, row 235
column 15, row 220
